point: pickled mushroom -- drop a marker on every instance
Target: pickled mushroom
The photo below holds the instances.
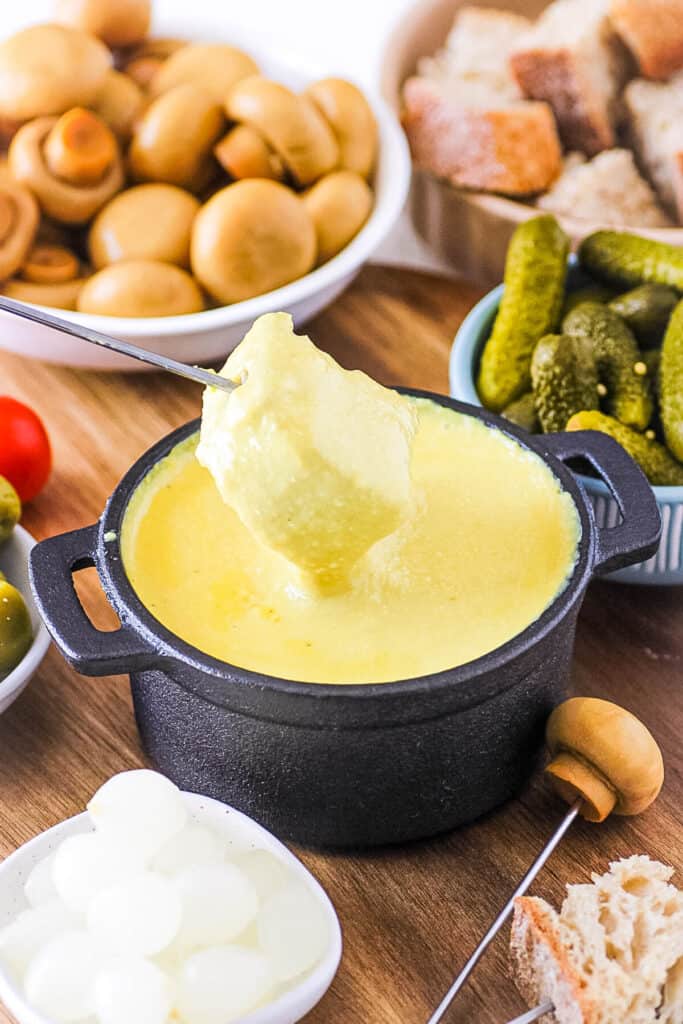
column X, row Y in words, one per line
column 19, row 217
column 72, row 164
column 45, row 69
column 115, row 22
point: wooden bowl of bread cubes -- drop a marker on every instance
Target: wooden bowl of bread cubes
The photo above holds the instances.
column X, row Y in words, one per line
column 574, row 107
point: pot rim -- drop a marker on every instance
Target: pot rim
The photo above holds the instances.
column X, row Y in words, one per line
column 134, row 614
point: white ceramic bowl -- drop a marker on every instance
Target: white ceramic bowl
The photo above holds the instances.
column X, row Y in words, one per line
column 241, row 833
column 14, row 563
column 209, row 336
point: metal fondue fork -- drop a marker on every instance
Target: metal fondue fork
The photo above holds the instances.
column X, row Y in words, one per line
column 476, row 956
column 195, row 373
column 532, row 1015
column 607, row 761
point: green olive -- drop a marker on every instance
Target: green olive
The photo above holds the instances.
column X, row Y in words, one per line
column 16, row 635
column 10, row 509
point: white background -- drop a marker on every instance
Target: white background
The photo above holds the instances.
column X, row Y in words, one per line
column 343, row 37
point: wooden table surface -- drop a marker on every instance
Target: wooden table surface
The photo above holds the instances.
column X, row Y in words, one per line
column 410, row 915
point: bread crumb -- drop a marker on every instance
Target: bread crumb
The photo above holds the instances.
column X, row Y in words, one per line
column 609, row 190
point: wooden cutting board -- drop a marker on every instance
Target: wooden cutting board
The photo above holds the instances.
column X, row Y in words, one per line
column 412, row 914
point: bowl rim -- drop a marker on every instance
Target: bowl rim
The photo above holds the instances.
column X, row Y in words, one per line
column 465, row 352
column 131, row 610
column 321, row 976
column 21, row 673
column 390, row 194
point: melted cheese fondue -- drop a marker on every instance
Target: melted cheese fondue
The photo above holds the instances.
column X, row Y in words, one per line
column 489, row 541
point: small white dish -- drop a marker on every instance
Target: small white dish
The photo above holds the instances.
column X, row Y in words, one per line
column 242, row 834
column 200, row 338
column 14, row 564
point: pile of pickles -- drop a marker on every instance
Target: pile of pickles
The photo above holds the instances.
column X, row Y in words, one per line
column 16, row 634
column 606, row 355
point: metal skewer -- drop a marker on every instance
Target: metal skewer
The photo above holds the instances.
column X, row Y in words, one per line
column 531, row 1015
column 124, row 348
column 476, row 956
column 606, row 761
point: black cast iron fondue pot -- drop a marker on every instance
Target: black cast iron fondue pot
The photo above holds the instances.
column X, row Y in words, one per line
column 356, row 764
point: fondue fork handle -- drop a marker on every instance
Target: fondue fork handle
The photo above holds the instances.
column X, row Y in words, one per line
column 531, row 1015
column 124, row 348
column 476, row 956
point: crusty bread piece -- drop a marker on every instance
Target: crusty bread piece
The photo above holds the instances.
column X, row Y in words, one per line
column 654, row 122
column 608, row 190
column 572, row 59
column 475, row 141
column 542, row 968
column 653, row 32
column 464, row 115
column 476, row 51
column 613, row 953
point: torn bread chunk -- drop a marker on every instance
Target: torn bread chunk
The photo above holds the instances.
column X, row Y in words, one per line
column 476, row 51
column 465, row 117
column 470, row 137
column 654, row 123
column 572, row 59
column 613, row 953
column 314, row 459
column 608, row 190
column 653, row 32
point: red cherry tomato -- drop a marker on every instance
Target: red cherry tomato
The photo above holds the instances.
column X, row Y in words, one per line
column 25, row 456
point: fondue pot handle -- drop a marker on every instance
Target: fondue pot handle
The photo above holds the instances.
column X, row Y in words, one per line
column 92, row 651
column 637, row 536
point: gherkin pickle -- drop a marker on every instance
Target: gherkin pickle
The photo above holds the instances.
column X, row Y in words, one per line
column 565, row 379
column 10, row 509
column 658, row 464
column 589, row 293
column 531, row 305
column 626, row 260
column 522, row 412
column 16, row 634
column 646, row 310
column 652, row 358
column 671, row 383
column 617, row 357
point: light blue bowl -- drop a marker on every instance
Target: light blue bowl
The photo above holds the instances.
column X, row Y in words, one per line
column 666, row 567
